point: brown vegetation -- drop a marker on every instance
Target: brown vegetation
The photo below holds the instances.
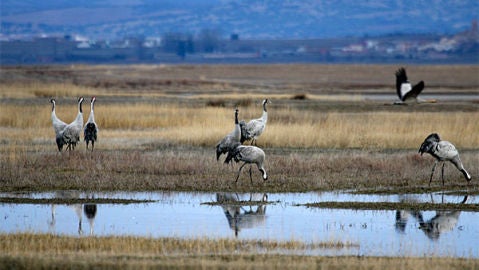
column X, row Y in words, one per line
column 159, row 125
column 24, row 251
column 163, row 167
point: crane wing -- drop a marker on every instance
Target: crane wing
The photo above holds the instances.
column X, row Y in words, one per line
column 255, row 127
column 401, row 78
column 58, row 125
column 415, row 91
column 244, row 132
column 446, row 150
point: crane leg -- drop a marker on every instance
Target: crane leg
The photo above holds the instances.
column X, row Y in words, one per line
column 250, row 177
column 239, row 171
column 442, row 173
column 432, row 172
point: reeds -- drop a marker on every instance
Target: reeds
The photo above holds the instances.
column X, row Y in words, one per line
column 295, row 128
column 24, row 251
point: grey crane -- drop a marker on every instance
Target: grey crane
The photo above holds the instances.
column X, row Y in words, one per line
column 58, row 126
column 249, row 154
column 442, row 151
column 229, row 141
column 90, row 131
column 71, row 133
column 405, row 91
column 254, row 128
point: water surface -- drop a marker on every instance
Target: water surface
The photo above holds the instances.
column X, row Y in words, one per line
column 270, row 217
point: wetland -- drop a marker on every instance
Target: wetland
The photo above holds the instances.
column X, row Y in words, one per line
column 345, row 179
column 405, row 227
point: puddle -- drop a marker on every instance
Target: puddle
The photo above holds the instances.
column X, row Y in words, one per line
column 256, row 216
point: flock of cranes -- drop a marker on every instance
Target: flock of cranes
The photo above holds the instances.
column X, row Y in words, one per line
column 232, row 144
column 69, row 134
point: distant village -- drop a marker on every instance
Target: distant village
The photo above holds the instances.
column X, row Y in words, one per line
column 210, row 47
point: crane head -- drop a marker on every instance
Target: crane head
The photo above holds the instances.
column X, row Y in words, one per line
column 429, row 143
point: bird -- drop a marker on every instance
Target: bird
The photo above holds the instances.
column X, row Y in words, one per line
column 405, row 91
column 249, row 154
column 91, row 128
column 443, row 151
column 71, row 133
column 229, row 141
column 254, row 128
column 58, row 126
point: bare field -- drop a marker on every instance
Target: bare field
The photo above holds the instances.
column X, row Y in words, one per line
column 319, row 79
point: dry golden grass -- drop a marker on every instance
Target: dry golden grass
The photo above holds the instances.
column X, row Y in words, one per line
column 287, row 127
column 24, row 251
column 175, row 115
column 43, row 90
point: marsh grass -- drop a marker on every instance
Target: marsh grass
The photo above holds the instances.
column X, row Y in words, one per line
column 162, row 246
column 159, row 126
column 196, row 169
column 22, row 251
column 394, row 206
column 286, row 127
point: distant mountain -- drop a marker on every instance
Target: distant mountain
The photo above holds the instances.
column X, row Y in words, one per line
column 251, row 19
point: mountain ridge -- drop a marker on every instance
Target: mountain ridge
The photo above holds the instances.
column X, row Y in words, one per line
column 269, row 19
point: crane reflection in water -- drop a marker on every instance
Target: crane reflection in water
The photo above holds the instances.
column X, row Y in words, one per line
column 443, row 221
column 243, row 213
column 87, row 209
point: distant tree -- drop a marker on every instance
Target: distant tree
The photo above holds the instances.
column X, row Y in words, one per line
column 208, row 40
column 178, row 43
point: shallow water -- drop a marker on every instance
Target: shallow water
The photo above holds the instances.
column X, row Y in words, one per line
column 185, row 215
column 439, row 97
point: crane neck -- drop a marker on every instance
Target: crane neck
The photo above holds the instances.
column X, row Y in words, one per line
column 265, row 114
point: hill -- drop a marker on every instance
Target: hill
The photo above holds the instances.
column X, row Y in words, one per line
column 251, row 19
